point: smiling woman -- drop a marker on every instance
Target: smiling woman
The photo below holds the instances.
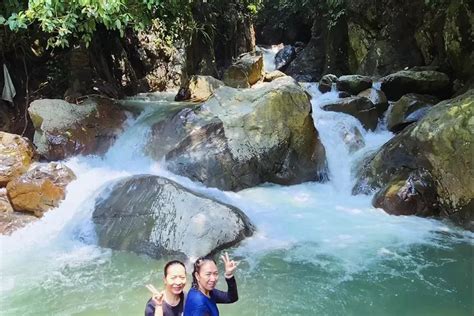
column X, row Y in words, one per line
column 169, row 302
column 203, row 298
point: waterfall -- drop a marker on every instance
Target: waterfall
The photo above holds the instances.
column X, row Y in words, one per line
column 317, row 249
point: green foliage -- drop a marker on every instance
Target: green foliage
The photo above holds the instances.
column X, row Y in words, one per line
column 66, row 20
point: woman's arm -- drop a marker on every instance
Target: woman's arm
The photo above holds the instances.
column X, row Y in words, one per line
column 228, row 297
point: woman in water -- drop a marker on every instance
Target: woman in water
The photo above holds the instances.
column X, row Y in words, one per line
column 169, row 302
column 203, row 297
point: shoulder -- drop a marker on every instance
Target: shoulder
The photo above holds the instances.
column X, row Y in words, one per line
column 195, row 297
column 150, row 308
column 196, row 302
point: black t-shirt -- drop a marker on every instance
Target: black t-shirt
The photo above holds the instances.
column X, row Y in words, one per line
column 168, row 310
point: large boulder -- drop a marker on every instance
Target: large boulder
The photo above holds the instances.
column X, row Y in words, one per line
column 353, row 83
column 246, row 71
column 155, row 216
column 41, row 188
column 359, row 107
column 241, row 138
column 16, row 155
column 423, row 82
column 400, row 113
column 432, row 160
column 64, row 129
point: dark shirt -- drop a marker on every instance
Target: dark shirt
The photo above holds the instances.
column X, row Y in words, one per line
column 168, row 310
column 198, row 304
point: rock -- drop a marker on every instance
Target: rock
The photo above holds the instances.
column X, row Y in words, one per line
column 5, row 205
column 183, row 94
column 12, row 221
column 398, row 116
column 284, row 56
column 377, row 97
column 241, row 138
column 63, row 129
column 457, row 38
column 246, row 71
column 423, row 82
column 41, row 188
column 438, row 151
column 411, row 196
column 306, row 67
column 353, row 83
column 16, row 155
column 361, row 108
column 343, row 94
column 155, row 216
column 353, row 139
column 199, row 88
column 325, row 84
column 270, row 76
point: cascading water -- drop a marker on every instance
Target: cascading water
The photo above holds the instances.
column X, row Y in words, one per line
column 318, row 250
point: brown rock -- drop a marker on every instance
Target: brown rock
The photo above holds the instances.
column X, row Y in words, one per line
column 361, row 108
column 41, row 188
column 16, row 155
column 5, row 205
column 246, row 71
column 12, row 221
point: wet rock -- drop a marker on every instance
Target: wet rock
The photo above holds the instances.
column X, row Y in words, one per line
column 412, row 196
column 438, row 149
column 241, row 138
column 353, row 83
column 183, row 94
column 41, row 188
column 353, row 139
column 12, row 221
column 398, row 116
column 16, row 155
column 325, row 84
column 155, row 216
column 284, row 56
column 246, row 71
column 361, row 108
column 343, row 94
column 422, row 82
column 64, row 129
column 377, row 97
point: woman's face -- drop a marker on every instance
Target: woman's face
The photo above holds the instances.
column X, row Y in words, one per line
column 175, row 279
column 208, row 275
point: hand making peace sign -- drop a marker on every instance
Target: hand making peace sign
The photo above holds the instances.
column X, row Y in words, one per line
column 230, row 265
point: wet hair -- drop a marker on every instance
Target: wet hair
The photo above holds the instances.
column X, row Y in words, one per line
column 197, row 267
column 172, row 263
